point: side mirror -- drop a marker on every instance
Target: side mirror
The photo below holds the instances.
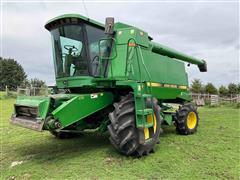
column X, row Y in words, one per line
column 107, row 48
column 109, row 25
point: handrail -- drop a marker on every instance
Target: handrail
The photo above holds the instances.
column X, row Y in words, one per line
column 145, row 67
column 149, row 76
column 139, row 69
column 127, row 57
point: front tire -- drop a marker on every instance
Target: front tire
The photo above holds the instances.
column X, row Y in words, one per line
column 187, row 119
column 124, row 135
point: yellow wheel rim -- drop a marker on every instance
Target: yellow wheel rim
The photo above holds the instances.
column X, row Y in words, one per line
column 154, row 124
column 150, row 119
column 191, row 120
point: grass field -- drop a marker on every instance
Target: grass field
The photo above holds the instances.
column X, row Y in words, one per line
column 212, row 153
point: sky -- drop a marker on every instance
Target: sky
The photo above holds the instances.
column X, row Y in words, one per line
column 206, row 29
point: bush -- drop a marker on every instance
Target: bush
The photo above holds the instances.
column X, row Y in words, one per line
column 12, row 94
column 232, row 105
column 224, row 103
column 213, row 106
column 237, row 105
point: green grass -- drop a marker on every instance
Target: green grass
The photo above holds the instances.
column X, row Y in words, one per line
column 211, row 153
column 10, row 95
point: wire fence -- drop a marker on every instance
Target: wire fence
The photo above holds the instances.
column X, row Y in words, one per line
column 214, row 99
column 32, row 91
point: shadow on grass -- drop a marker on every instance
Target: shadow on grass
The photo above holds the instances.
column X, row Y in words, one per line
column 50, row 148
column 46, row 147
column 168, row 131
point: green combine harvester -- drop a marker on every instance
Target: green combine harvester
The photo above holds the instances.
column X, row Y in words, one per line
column 113, row 78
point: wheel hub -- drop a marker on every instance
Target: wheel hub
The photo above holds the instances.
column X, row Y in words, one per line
column 191, row 120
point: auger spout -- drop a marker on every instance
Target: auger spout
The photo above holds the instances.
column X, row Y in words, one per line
column 166, row 51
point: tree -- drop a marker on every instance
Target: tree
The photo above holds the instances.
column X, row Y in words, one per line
column 12, row 74
column 38, row 87
column 238, row 88
column 223, row 91
column 232, row 88
column 196, row 86
column 25, row 84
column 35, row 82
column 211, row 89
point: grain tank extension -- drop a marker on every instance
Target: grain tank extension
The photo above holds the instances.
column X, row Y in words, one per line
column 113, row 78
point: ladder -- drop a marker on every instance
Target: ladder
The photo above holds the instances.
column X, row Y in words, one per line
column 145, row 90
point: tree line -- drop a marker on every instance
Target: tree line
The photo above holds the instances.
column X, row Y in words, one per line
column 13, row 75
column 198, row 87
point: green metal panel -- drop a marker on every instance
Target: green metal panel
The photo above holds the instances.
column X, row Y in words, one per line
column 119, row 63
column 162, row 69
column 77, row 81
column 81, row 106
column 170, row 93
column 168, row 118
column 124, row 34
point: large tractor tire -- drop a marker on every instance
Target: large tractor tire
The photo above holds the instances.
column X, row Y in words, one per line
column 124, row 135
column 187, row 119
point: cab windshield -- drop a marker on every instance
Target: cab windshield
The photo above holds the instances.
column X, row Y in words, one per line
column 76, row 51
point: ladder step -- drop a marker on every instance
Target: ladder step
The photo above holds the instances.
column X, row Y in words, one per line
column 146, row 125
column 144, row 111
column 145, row 96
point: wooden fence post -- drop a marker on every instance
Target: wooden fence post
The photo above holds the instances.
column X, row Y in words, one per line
column 214, row 100
column 6, row 90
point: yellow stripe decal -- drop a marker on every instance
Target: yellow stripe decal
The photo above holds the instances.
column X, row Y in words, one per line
column 153, row 84
column 182, row 87
column 170, row 85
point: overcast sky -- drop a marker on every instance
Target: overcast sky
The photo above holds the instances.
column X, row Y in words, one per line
column 207, row 30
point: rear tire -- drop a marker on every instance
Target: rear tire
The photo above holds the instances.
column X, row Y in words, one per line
column 124, row 135
column 187, row 119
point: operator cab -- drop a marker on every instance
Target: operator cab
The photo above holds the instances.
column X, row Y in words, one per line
column 75, row 42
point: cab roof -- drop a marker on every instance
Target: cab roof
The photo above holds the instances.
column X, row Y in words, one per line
column 75, row 18
column 67, row 18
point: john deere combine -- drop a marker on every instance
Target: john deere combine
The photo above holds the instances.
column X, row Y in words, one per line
column 113, row 78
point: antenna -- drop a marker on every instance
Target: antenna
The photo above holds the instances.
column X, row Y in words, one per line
column 85, row 8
